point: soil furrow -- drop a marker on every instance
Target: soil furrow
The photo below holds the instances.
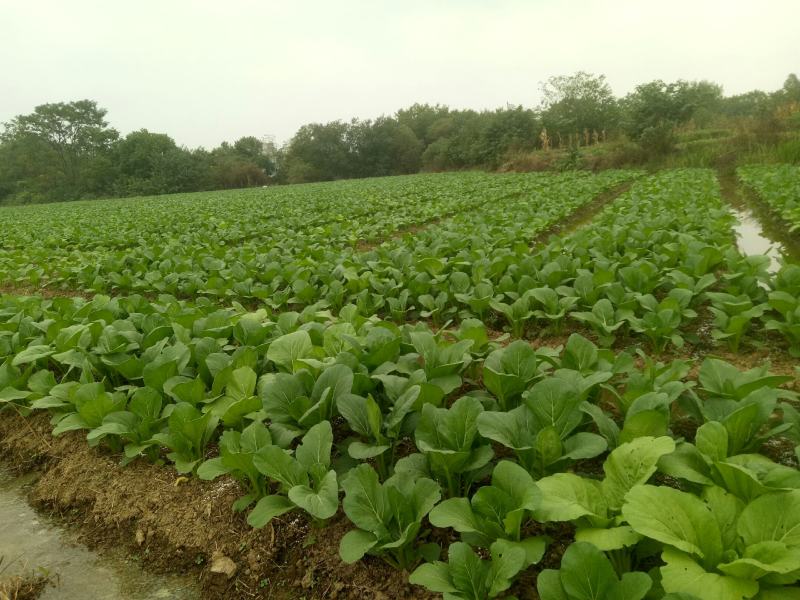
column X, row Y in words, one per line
column 188, row 526
column 583, row 214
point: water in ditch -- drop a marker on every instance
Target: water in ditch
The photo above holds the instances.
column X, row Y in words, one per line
column 751, row 238
column 30, row 542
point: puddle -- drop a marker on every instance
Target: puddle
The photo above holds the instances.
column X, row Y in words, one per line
column 30, row 542
column 751, row 239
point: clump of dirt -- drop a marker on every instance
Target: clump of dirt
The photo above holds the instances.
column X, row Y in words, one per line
column 179, row 525
column 18, row 587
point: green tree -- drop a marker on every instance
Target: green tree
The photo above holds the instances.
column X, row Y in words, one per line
column 420, row 118
column 55, row 147
column 152, row 163
column 574, row 103
column 749, row 104
column 384, row 147
column 791, row 89
column 319, row 152
column 260, row 153
column 657, row 104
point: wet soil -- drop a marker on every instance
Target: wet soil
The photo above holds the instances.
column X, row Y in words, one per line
column 187, row 526
column 36, row 550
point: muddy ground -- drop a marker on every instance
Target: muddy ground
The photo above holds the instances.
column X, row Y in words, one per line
column 187, row 526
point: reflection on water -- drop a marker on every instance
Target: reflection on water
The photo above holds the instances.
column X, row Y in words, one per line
column 29, row 542
column 751, row 239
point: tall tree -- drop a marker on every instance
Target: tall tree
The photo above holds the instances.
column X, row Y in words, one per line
column 65, row 136
column 152, row 163
column 791, row 88
column 574, row 103
column 657, row 104
column 384, row 147
column 319, row 152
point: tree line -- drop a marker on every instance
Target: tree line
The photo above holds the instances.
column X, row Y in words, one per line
column 67, row 150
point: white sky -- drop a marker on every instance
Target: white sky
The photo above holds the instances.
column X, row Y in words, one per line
column 206, row 71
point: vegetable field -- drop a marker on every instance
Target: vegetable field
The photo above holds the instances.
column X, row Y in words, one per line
column 565, row 386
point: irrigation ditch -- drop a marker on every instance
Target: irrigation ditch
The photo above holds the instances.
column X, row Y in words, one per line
column 760, row 230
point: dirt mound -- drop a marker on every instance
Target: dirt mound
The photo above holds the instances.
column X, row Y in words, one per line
column 175, row 524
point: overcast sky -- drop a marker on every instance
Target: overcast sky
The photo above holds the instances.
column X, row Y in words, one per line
column 208, row 71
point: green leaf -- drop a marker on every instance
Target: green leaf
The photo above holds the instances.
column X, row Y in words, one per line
column 682, row 574
column 321, row 503
column 277, row 464
column 712, row 440
column 762, row 559
column 548, row 584
column 267, row 509
column 534, row 548
column 32, row 354
column 362, row 451
column 456, row 513
column 613, row 538
column 682, row 520
column 285, row 350
column 315, row 449
column 566, row 497
column 773, row 517
column 632, row 464
column 554, row 402
column 211, row 469
column 586, row 574
column 355, row 544
column 365, row 502
column 434, row 576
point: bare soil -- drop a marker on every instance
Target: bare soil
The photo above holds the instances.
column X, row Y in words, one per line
column 179, row 525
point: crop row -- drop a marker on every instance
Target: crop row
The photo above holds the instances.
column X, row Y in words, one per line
column 656, row 473
column 778, row 186
column 657, row 264
column 656, row 261
column 368, row 207
column 250, row 244
column 273, row 257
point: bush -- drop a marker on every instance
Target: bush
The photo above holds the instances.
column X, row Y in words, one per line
column 789, row 152
column 658, row 140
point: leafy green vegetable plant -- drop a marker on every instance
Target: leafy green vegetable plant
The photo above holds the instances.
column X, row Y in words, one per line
column 716, row 546
column 733, row 316
column 188, row 433
column 604, row 319
column 237, row 454
column 388, row 517
column 496, row 511
column 304, row 480
column 465, row 576
column 542, row 432
column 451, row 449
column 586, row 574
column 594, row 506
